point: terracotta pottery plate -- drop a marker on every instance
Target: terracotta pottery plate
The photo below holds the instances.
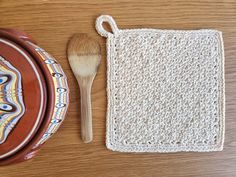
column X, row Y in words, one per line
column 26, row 97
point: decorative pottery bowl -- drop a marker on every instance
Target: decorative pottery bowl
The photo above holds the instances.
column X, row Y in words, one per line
column 34, row 96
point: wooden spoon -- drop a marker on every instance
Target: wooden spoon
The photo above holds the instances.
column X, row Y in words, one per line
column 84, row 55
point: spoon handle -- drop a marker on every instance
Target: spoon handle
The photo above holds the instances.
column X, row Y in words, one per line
column 86, row 111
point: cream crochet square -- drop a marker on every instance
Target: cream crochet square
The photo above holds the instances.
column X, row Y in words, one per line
column 165, row 89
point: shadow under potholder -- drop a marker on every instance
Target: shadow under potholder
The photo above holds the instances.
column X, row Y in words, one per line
column 165, row 89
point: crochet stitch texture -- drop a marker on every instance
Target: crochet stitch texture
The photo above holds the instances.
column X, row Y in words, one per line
column 165, row 89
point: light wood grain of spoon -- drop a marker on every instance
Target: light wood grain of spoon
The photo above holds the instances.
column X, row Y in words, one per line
column 84, row 55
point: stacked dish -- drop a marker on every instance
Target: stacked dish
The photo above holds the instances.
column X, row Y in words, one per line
column 34, row 96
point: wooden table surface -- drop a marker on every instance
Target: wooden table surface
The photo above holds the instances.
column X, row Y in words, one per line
column 51, row 23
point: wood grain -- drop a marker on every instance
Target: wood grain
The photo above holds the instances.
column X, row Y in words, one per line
column 51, row 23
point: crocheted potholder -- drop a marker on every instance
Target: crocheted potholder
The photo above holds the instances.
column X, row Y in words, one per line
column 165, row 89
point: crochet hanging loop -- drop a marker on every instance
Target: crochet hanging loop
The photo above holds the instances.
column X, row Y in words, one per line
column 106, row 19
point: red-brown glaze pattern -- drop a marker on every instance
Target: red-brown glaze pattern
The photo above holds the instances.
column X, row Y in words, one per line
column 31, row 149
column 31, row 86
